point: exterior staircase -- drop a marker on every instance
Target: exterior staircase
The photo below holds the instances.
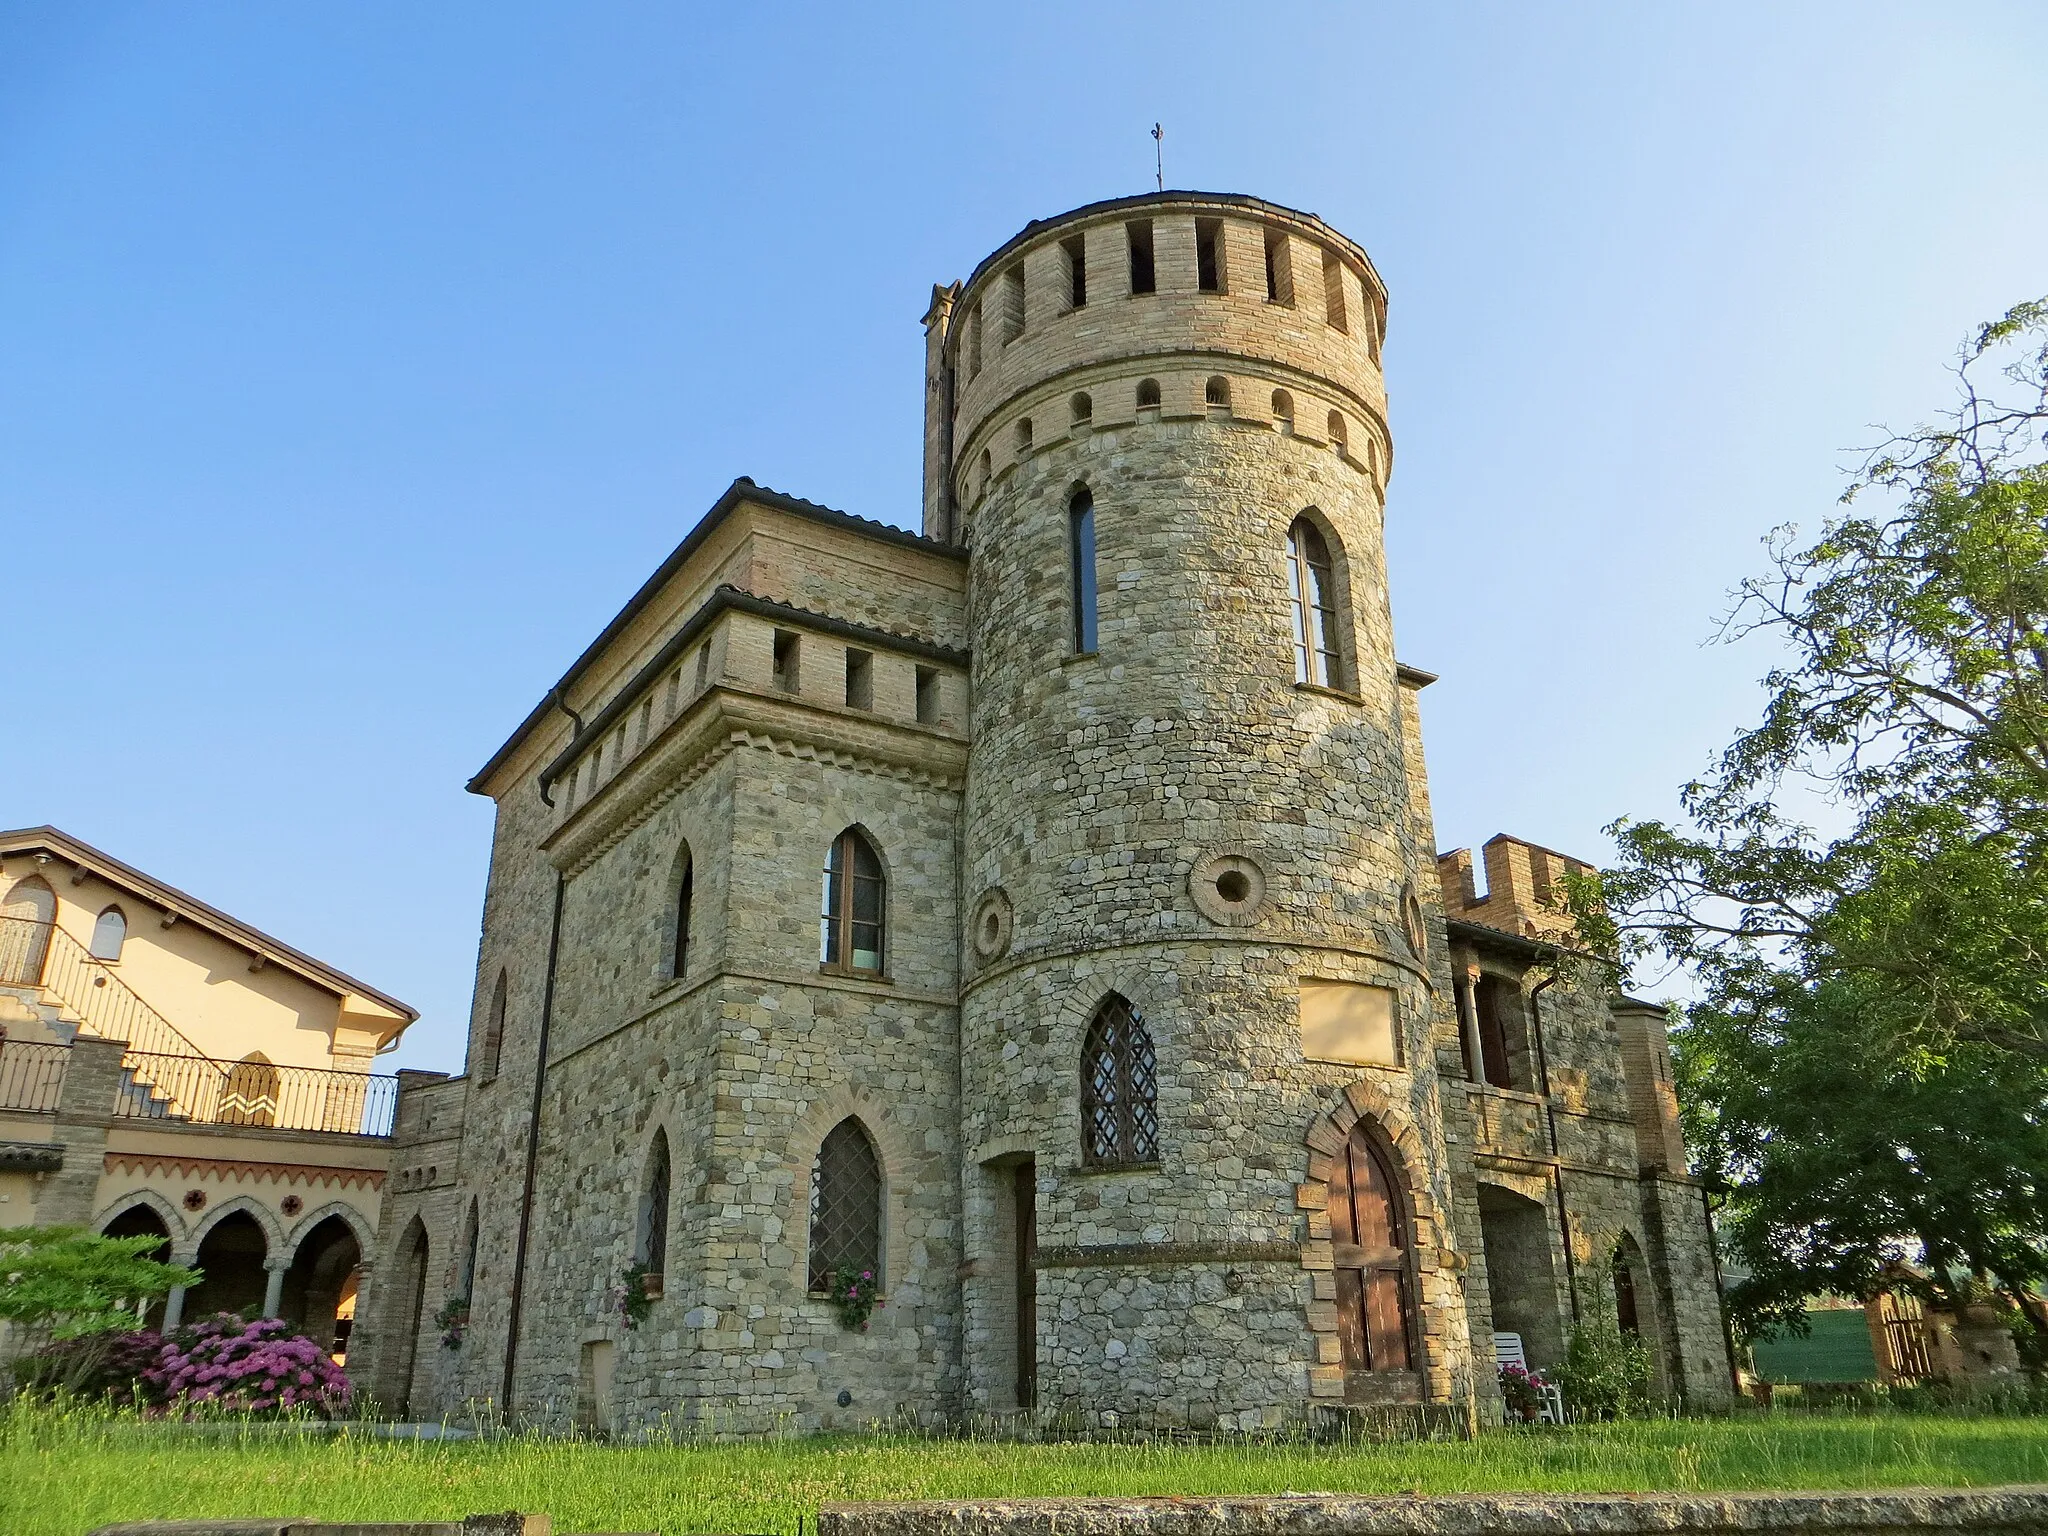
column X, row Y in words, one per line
column 67, row 992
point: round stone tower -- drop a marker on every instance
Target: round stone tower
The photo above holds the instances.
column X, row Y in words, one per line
column 1204, row 973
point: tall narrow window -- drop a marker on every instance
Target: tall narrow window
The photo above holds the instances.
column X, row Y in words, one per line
column 1209, row 255
column 493, row 1042
column 703, row 663
column 470, row 1232
column 1023, row 437
column 785, row 660
column 927, row 695
column 1283, row 412
column 1013, row 303
column 1369, row 1242
column 109, row 933
column 1340, row 435
column 856, row 898
column 860, row 679
column 1083, row 410
column 1626, row 1314
column 1312, row 589
column 650, row 1241
column 679, row 931
column 1333, row 292
column 846, row 1208
column 1074, row 252
column 646, row 723
column 675, row 692
column 1119, row 1088
column 1081, row 555
column 1496, row 1062
column 974, row 342
column 1143, row 277
column 1279, row 269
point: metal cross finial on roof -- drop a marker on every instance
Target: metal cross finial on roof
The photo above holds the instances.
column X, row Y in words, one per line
column 1159, row 154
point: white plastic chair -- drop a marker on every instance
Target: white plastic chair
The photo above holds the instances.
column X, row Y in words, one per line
column 1507, row 1350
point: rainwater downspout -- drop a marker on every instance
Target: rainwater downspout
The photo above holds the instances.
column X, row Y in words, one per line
column 1564, row 1221
column 540, row 1073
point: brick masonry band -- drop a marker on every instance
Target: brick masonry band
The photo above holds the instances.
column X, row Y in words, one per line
column 2007, row 1511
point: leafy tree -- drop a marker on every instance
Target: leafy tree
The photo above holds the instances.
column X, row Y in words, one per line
column 1866, row 1074
column 63, row 1283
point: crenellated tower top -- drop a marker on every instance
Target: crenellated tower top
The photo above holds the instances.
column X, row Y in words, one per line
column 1180, row 304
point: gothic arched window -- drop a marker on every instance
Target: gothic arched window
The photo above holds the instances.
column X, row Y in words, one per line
column 1312, row 592
column 856, row 898
column 650, row 1242
column 846, row 1206
column 109, row 934
column 1119, row 1088
column 1369, row 1241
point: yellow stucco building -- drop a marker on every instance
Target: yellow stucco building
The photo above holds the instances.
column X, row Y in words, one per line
column 168, row 1069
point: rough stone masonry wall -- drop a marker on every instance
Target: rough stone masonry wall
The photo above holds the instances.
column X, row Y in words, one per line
column 1975, row 1512
column 1097, row 784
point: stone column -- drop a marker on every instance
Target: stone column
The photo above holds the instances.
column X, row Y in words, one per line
column 174, row 1309
column 1468, row 1020
column 273, row 1288
column 85, row 1108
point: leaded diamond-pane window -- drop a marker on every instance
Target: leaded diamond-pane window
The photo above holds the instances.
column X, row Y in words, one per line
column 846, row 1206
column 1119, row 1088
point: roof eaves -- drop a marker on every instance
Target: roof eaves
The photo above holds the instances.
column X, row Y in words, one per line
column 64, row 845
column 740, row 491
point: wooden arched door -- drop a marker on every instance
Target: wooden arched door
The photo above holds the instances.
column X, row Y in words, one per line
column 1369, row 1236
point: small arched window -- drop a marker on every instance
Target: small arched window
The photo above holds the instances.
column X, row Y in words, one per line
column 1283, row 411
column 846, row 1208
column 1340, row 436
column 1369, row 1243
column 109, row 934
column 856, row 900
column 1119, row 1088
column 1148, row 394
column 679, row 929
column 985, row 474
column 493, row 1043
column 1083, row 410
column 1081, row 560
column 650, row 1239
column 1312, row 592
column 1024, row 436
column 1216, row 393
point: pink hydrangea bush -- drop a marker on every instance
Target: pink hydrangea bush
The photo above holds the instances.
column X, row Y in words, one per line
column 239, row 1366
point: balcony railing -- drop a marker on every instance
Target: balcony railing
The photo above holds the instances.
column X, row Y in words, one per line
column 199, row 1091
column 31, row 1075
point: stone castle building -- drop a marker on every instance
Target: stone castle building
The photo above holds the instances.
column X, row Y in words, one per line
column 1040, row 913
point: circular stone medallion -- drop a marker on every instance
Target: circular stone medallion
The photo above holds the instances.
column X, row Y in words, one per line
column 992, row 923
column 1228, row 887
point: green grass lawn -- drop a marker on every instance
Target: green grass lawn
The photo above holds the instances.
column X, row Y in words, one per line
column 63, row 1474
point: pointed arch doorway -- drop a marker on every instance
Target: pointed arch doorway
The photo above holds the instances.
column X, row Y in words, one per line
column 1369, row 1240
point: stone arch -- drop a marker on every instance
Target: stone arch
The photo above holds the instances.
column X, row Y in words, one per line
column 266, row 1218
column 892, row 1146
column 365, row 1231
column 1430, row 1236
column 172, row 1218
column 1626, row 1256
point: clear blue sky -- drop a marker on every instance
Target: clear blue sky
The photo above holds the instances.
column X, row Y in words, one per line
column 357, row 361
